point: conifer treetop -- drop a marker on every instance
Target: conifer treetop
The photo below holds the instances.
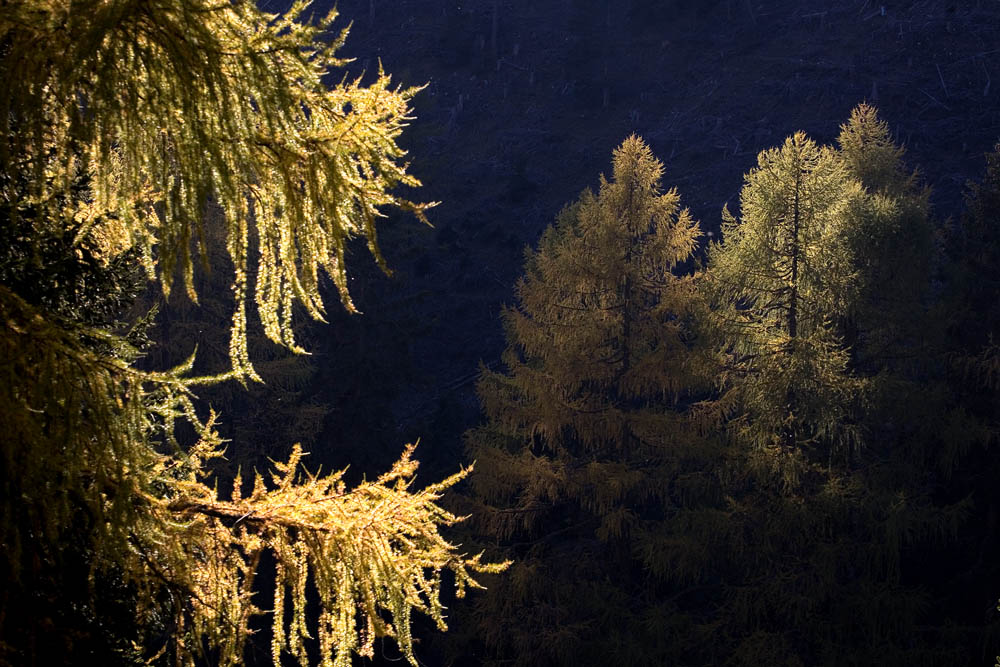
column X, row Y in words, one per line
column 868, row 151
column 598, row 301
column 583, row 440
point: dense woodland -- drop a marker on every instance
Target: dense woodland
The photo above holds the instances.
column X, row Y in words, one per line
column 668, row 431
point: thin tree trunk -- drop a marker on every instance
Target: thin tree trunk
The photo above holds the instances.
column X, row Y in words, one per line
column 793, row 302
column 793, row 309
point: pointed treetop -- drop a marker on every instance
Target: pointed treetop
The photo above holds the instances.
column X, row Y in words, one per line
column 868, row 151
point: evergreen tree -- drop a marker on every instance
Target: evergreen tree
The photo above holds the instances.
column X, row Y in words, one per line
column 163, row 109
column 586, row 471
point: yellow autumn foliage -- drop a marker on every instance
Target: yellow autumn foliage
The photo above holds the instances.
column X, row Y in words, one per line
column 124, row 122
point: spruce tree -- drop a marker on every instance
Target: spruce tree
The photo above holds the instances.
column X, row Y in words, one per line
column 586, row 471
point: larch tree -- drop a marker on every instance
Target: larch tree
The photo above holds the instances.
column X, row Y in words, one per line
column 779, row 280
column 973, row 247
column 830, row 492
column 897, row 325
column 124, row 123
column 586, row 470
column 894, row 324
column 919, row 331
column 890, row 236
column 775, row 287
column 972, row 244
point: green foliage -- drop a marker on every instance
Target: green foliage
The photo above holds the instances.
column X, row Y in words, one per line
column 121, row 136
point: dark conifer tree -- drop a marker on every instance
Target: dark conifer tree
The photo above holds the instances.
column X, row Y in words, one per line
column 972, row 275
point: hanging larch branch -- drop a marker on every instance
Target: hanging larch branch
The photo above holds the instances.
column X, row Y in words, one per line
column 125, row 122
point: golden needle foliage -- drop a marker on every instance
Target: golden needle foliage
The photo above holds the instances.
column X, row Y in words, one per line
column 583, row 454
column 778, row 281
column 164, row 108
column 166, row 105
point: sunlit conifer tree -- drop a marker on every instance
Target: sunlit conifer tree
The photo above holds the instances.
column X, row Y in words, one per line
column 780, row 279
column 890, row 236
column 124, row 122
column 821, row 358
column 586, row 470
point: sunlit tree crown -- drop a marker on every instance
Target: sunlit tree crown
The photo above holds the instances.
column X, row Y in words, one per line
column 584, row 436
column 780, row 278
column 597, row 302
column 887, row 228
